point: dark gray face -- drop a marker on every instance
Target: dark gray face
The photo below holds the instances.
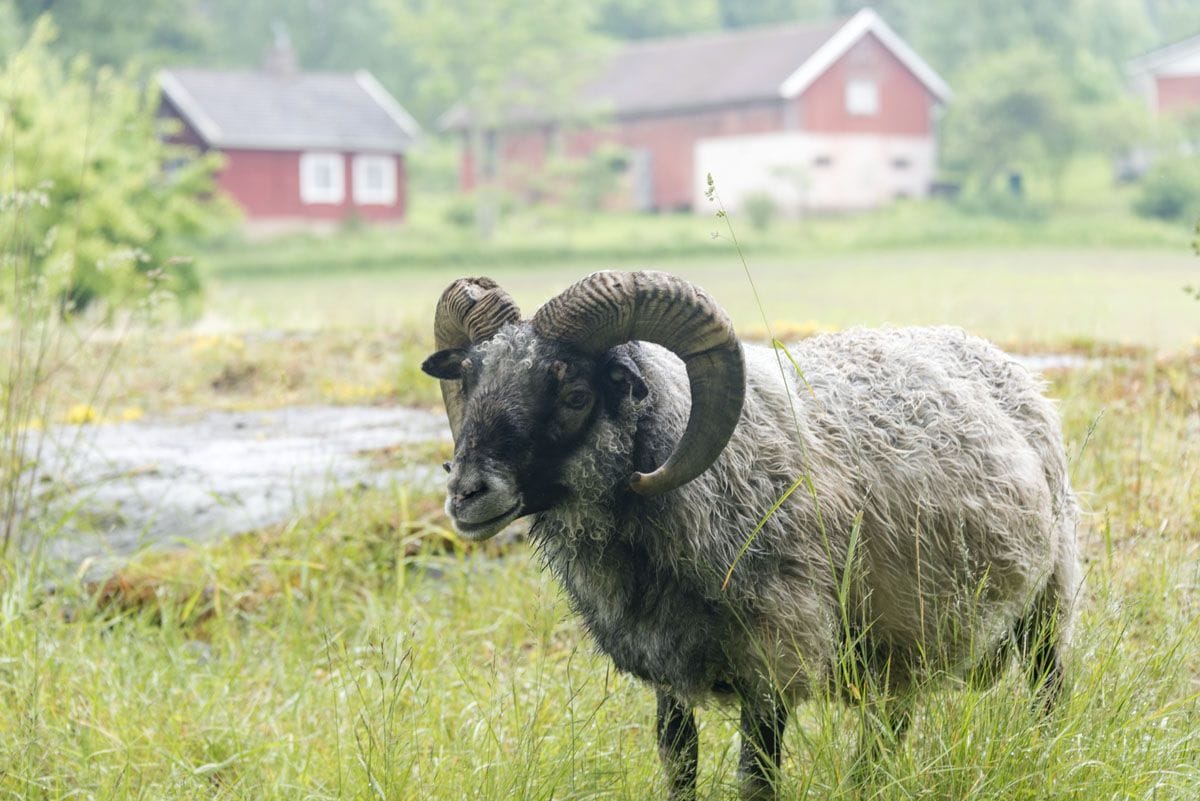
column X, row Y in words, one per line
column 530, row 405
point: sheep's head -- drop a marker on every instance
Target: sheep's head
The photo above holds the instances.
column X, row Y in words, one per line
column 520, row 405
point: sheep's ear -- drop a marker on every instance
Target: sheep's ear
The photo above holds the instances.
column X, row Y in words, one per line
column 621, row 377
column 445, row 364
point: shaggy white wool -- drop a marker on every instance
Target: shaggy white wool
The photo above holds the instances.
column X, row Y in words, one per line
column 932, row 450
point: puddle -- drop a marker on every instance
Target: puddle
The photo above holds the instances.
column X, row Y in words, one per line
column 204, row 475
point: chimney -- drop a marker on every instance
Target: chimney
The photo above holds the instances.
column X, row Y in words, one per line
column 280, row 57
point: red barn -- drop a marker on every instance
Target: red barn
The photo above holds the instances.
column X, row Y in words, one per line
column 299, row 147
column 829, row 116
column 1169, row 78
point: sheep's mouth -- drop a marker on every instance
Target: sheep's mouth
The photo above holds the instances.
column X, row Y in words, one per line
column 482, row 530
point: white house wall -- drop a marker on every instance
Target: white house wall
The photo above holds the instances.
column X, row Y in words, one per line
column 804, row 172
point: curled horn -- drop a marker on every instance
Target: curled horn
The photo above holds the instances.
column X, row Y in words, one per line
column 470, row 310
column 609, row 308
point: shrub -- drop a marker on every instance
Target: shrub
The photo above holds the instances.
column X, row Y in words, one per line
column 460, row 212
column 1171, row 190
column 98, row 200
column 760, row 208
column 599, row 176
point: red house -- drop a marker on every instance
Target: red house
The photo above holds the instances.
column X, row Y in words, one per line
column 1169, row 78
column 829, row 116
column 299, row 147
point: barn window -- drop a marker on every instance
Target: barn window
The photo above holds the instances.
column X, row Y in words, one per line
column 374, row 180
column 322, row 178
column 862, row 97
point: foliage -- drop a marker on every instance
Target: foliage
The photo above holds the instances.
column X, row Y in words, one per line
column 10, row 28
column 460, row 211
column 760, row 208
column 1171, row 190
column 92, row 207
column 639, row 19
column 740, row 14
column 432, row 168
column 342, row 35
column 350, row 34
column 587, row 183
column 495, row 54
column 1013, row 115
column 147, row 32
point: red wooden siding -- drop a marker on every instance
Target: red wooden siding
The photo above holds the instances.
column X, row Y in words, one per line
column 905, row 105
column 668, row 138
column 1178, row 92
column 266, row 184
column 671, row 141
column 905, row 109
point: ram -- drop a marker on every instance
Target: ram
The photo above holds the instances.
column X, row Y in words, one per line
column 932, row 533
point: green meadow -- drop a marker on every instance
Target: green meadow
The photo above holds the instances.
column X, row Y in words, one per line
column 360, row 650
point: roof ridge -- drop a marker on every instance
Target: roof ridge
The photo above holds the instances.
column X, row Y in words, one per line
column 1150, row 58
column 728, row 34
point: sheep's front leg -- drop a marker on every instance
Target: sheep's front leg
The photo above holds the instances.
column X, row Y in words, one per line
column 763, row 722
column 678, row 746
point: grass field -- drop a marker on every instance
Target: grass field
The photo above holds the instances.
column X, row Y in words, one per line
column 361, row 651
column 1085, row 271
column 358, row 653
column 1047, row 295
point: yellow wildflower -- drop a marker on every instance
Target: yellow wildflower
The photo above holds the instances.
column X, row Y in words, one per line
column 82, row 413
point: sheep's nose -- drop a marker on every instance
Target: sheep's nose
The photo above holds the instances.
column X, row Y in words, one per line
column 464, row 487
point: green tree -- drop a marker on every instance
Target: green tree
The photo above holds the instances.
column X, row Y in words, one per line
column 146, row 32
column 10, row 28
column 740, row 14
column 640, row 19
column 91, row 203
column 497, row 58
column 1013, row 113
column 326, row 34
column 1173, row 20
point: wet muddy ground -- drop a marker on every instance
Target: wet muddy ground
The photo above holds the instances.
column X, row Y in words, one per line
column 202, row 475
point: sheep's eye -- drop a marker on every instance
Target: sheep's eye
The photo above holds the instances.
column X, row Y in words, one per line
column 577, row 399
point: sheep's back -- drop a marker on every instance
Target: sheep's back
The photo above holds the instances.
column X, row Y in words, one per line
column 956, row 463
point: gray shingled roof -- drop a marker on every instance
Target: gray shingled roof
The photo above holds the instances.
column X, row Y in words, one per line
column 298, row 111
column 692, row 71
column 713, row 69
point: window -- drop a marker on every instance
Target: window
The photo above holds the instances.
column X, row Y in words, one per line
column 322, row 178
column 374, row 180
column 823, row 161
column 862, row 97
column 901, row 163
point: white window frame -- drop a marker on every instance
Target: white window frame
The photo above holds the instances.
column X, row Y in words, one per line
column 862, row 97
column 385, row 194
column 312, row 191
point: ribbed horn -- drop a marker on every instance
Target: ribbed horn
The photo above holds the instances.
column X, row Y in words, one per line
column 609, row 308
column 470, row 310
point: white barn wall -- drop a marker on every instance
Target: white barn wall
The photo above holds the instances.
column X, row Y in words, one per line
column 863, row 171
